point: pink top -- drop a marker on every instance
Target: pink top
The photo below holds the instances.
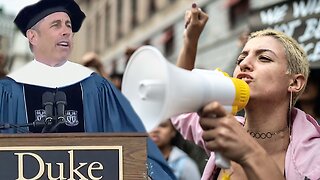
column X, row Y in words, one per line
column 303, row 154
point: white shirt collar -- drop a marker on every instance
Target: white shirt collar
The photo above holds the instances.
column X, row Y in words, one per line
column 37, row 73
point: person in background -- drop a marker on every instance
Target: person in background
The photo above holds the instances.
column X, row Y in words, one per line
column 310, row 99
column 116, row 79
column 166, row 138
column 194, row 151
column 92, row 60
column 273, row 140
column 92, row 103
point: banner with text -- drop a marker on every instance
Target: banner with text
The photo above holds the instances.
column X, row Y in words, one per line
column 299, row 19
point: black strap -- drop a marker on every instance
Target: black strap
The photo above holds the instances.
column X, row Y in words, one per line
column 216, row 174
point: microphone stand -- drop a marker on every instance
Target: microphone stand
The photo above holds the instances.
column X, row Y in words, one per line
column 51, row 122
column 20, row 127
column 48, row 125
column 60, row 100
column 58, row 122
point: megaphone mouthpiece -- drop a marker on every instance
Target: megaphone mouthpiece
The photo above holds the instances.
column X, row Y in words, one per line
column 242, row 95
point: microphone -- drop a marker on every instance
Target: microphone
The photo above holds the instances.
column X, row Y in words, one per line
column 47, row 102
column 61, row 102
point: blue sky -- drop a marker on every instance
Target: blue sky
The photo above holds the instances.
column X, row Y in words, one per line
column 14, row 6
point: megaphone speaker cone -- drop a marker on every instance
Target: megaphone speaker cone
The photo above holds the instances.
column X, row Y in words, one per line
column 158, row 90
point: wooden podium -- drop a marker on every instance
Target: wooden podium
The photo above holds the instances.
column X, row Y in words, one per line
column 74, row 156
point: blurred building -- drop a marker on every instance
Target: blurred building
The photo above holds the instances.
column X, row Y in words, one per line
column 6, row 34
column 20, row 51
column 115, row 27
column 12, row 43
column 6, row 31
column 112, row 26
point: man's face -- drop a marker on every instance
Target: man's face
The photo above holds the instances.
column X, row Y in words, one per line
column 52, row 40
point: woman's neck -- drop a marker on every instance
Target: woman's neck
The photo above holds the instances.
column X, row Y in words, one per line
column 271, row 119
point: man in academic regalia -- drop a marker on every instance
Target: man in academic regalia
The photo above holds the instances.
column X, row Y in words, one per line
column 91, row 104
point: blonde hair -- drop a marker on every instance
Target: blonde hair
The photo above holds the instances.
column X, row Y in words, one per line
column 296, row 57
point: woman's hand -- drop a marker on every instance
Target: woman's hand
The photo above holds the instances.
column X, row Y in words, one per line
column 195, row 21
column 223, row 133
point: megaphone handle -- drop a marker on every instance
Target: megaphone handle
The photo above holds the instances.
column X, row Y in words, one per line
column 221, row 161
